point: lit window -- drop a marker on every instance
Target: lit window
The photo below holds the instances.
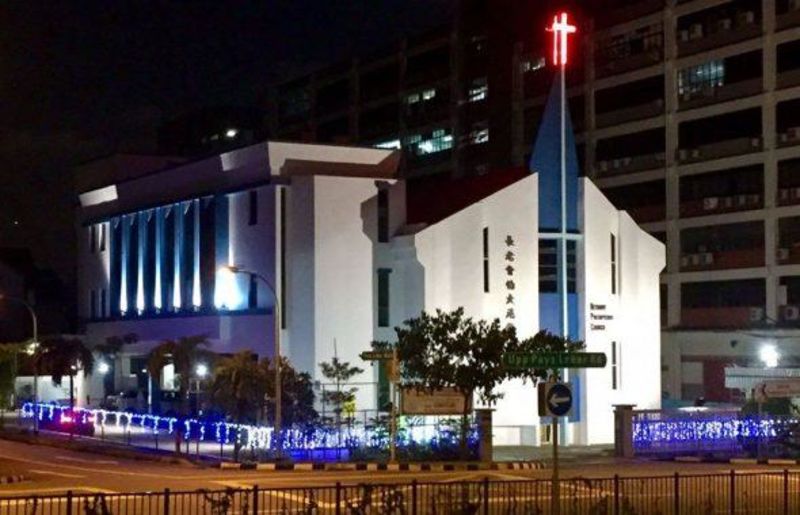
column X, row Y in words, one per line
column 428, row 94
column 390, row 145
column 534, row 64
column 412, row 99
column 479, row 134
column 478, row 90
column 231, row 133
column 439, row 141
column 706, row 76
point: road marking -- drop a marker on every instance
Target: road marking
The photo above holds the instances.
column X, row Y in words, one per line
column 92, row 462
column 52, row 473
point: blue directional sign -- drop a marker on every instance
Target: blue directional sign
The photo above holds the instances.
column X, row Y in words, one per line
column 555, row 399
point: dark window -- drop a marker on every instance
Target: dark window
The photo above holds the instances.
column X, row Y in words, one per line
column 383, row 297
column 486, row 260
column 253, row 208
column 614, row 367
column 92, row 305
column 549, row 264
column 383, row 216
column 102, row 237
column 138, row 365
column 252, row 293
column 92, row 238
column 283, row 244
column 613, row 264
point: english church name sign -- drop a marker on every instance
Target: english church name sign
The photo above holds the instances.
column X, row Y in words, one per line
column 598, row 317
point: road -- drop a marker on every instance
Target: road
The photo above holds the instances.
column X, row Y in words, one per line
column 53, row 470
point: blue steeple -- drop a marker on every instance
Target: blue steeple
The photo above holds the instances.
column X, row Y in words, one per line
column 546, row 160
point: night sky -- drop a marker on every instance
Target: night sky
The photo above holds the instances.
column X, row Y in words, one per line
column 83, row 79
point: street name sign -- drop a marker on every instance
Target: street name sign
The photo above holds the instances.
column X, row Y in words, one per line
column 526, row 361
column 377, row 355
column 555, row 399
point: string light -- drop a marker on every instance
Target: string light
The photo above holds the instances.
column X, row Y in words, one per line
column 257, row 437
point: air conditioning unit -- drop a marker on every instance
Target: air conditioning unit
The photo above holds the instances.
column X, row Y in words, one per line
column 684, row 35
column 746, row 18
column 694, row 259
column 727, row 202
column 783, row 137
column 684, row 261
column 755, row 142
column 725, row 24
column 753, row 198
column 707, row 258
column 794, row 5
column 783, row 194
column 603, row 166
column 626, row 161
column 615, row 164
column 756, row 314
column 795, row 193
column 696, row 31
column 791, row 312
column 682, row 154
column 783, row 254
column 794, row 133
column 741, row 200
column 695, row 153
column 710, row 203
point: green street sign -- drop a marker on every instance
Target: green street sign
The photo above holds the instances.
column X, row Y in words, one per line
column 545, row 360
column 377, row 355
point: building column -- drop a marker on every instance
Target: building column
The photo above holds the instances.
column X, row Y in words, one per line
column 768, row 125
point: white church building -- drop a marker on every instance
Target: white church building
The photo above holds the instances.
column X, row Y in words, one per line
column 352, row 251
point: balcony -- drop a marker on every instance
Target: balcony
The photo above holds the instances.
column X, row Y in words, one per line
column 722, row 260
column 697, row 38
column 788, row 79
column 629, row 63
column 718, row 150
column 789, row 138
column 788, row 254
column 790, row 18
column 715, row 94
column 626, row 165
column 722, row 204
column 788, row 196
column 631, row 12
column 638, row 112
column 722, row 316
column 647, row 214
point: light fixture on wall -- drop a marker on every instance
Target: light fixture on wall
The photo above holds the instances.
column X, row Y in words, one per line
column 769, row 355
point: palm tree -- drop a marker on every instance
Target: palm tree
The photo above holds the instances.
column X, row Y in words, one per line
column 110, row 351
column 64, row 357
column 184, row 354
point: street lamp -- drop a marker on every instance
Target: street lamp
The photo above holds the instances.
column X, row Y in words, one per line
column 30, row 351
column 104, row 368
column 276, row 317
column 769, row 355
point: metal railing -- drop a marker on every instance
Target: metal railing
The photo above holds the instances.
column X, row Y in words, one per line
column 752, row 493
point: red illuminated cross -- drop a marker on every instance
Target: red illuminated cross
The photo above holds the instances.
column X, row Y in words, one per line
column 560, row 29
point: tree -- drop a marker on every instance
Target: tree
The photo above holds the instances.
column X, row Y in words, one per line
column 64, row 357
column 339, row 373
column 448, row 349
column 297, row 395
column 237, row 386
column 184, row 354
column 9, row 353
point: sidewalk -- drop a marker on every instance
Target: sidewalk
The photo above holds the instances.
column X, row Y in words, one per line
column 589, row 454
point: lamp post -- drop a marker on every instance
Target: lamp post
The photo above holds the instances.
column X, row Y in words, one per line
column 200, row 372
column 34, row 343
column 276, row 318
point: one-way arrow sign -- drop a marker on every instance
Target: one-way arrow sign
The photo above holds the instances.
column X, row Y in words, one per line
column 555, row 399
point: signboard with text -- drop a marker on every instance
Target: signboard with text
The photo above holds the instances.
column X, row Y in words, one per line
column 547, row 360
column 447, row 401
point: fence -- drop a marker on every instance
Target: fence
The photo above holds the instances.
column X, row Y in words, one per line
column 751, row 493
column 225, row 441
column 657, row 432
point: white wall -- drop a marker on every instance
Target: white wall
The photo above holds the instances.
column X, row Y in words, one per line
column 446, row 259
column 634, row 307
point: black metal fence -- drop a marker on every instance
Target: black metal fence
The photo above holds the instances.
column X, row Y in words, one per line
column 756, row 493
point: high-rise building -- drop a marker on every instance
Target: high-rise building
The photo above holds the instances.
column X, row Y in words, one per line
column 688, row 117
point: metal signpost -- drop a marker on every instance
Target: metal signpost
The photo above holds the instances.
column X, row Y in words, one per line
column 555, row 398
column 394, row 378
